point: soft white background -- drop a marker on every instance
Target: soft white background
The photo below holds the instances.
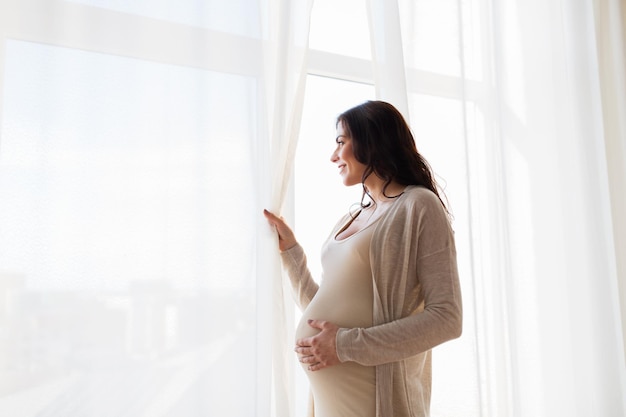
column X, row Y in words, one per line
column 140, row 140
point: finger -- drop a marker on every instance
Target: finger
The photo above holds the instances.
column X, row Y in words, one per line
column 271, row 217
column 316, row 324
column 279, row 223
column 316, row 367
column 302, row 350
column 307, row 359
column 303, row 343
column 269, row 214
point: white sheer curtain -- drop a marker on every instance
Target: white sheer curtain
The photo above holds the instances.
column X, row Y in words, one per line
column 531, row 148
column 610, row 24
column 139, row 142
column 557, row 262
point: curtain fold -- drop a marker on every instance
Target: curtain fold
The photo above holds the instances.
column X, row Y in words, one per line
column 387, row 53
column 285, row 55
column 610, row 20
column 561, row 268
column 564, row 342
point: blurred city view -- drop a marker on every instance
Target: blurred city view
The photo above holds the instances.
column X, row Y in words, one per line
column 150, row 350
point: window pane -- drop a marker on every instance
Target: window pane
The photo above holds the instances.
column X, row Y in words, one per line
column 439, row 134
column 431, row 35
column 116, row 250
column 340, row 27
column 219, row 15
column 319, row 192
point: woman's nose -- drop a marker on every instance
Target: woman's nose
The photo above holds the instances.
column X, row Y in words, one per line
column 334, row 157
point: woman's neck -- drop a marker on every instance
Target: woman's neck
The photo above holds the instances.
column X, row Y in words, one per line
column 376, row 186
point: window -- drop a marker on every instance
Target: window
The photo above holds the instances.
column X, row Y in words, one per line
column 127, row 163
column 108, row 237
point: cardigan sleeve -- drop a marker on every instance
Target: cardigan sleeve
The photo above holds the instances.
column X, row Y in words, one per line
column 302, row 283
column 419, row 288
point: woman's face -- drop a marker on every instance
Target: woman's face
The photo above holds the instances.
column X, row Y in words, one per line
column 350, row 169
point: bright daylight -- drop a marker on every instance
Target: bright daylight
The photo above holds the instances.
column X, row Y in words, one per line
column 338, row 208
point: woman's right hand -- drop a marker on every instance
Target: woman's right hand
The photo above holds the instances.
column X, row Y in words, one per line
column 286, row 238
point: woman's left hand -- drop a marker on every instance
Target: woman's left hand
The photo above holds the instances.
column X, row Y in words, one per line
column 319, row 351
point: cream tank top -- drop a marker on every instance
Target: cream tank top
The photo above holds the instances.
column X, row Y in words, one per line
column 345, row 297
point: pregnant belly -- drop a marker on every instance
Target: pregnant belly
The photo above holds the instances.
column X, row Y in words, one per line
column 346, row 389
column 344, row 308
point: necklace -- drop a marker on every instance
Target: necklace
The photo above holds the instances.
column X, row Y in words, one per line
column 376, row 209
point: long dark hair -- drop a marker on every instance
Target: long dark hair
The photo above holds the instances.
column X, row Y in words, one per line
column 383, row 142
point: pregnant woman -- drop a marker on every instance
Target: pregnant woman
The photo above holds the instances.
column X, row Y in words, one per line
column 390, row 288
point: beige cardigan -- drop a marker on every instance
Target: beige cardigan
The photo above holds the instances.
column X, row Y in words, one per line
column 417, row 301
